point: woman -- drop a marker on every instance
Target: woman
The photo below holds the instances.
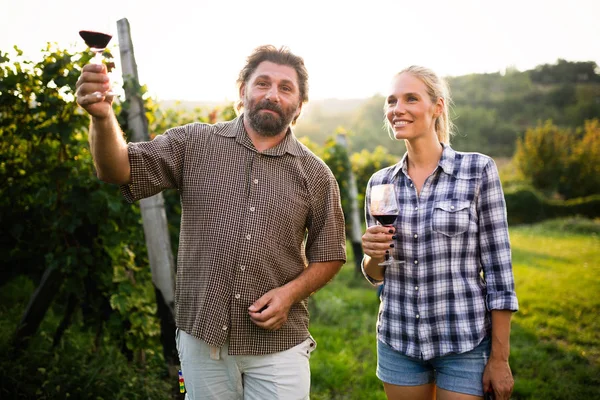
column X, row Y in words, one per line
column 444, row 322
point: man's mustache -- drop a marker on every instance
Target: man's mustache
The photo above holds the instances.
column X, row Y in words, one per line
column 267, row 105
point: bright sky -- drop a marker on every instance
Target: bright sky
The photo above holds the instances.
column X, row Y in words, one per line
column 193, row 50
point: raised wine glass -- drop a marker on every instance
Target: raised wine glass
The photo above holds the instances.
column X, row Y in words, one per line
column 384, row 208
column 97, row 42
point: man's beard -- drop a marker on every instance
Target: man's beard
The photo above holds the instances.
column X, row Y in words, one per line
column 268, row 124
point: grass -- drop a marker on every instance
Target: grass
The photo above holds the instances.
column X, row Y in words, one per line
column 555, row 340
column 343, row 317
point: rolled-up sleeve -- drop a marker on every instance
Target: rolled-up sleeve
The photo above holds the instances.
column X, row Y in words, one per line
column 372, row 281
column 494, row 243
column 156, row 165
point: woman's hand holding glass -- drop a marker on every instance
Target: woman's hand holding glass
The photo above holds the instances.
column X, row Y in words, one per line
column 378, row 240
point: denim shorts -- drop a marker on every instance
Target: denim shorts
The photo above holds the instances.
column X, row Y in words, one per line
column 462, row 373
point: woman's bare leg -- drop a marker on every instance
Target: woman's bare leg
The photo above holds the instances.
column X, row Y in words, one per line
column 422, row 392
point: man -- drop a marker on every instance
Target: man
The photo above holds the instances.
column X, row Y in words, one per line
column 257, row 206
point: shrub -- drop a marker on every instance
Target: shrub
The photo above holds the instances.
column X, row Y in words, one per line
column 526, row 205
column 561, row 161
column 542, row 155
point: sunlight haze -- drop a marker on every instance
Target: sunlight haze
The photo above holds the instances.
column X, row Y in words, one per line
column 194, row 50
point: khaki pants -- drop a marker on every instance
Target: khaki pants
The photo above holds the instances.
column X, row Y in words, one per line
column 210, row 373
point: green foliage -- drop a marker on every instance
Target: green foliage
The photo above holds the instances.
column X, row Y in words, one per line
column 491, row 110
column 542, row 153
column 369, row 128
column 335, row 156
column 474, row 126
column 362, row 165
column 559, row 160
column 312, row 146
column 525, row 205
column 582, row 176
column 343, row 317
column 494, row 109
column 58, row 214
column 565, row 72
column 362, row 120
column 81, row 367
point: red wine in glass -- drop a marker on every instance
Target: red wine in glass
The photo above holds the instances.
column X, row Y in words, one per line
column 386, row 219
column 97, row 42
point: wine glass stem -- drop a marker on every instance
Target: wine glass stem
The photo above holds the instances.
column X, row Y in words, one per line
column 389, row 258
column 97, row 59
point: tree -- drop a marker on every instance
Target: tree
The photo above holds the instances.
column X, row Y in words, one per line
column 564, row 71
column 582, row 177
column 561, row 161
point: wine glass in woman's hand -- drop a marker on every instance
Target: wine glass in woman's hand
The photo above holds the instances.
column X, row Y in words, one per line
column 384, row 208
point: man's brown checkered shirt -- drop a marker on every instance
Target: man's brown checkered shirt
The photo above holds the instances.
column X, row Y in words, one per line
column 244, row 219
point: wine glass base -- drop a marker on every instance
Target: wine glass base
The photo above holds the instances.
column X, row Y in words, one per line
column 391, row 262
column 105, row 94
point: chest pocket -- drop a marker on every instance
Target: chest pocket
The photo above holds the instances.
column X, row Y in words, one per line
column 450, row 217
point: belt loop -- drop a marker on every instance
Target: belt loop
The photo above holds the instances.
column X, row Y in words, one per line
column 215, row 353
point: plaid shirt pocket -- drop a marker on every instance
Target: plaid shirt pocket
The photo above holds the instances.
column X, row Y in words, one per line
column 450, row 217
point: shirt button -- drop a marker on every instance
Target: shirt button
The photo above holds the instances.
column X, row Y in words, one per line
column 416, row 208
column 252, row 209
column 452, row 207
column 416, row 288
column 416, row 236
column 224, row 327
column 417, row 316
column 248, row 237
column 237, row 296
column 411, row 185
column 243, row 268
column 416, row 261
column 256, row 181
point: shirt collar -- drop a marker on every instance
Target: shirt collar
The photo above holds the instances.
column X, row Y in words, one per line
column 446, row 162
column 236, row 129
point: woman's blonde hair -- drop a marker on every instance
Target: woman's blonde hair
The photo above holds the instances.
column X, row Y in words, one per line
column 436, row 87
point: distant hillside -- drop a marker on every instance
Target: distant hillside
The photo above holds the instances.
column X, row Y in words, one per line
column 318, row 107
column 332, row 106
column 490, row 111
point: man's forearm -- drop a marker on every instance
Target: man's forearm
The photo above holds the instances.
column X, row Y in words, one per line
column 109, row 150
column 314, row 277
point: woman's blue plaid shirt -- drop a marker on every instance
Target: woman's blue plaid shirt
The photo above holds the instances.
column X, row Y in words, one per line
column 453, row 237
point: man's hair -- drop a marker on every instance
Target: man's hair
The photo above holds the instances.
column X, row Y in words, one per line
column 281, row 56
